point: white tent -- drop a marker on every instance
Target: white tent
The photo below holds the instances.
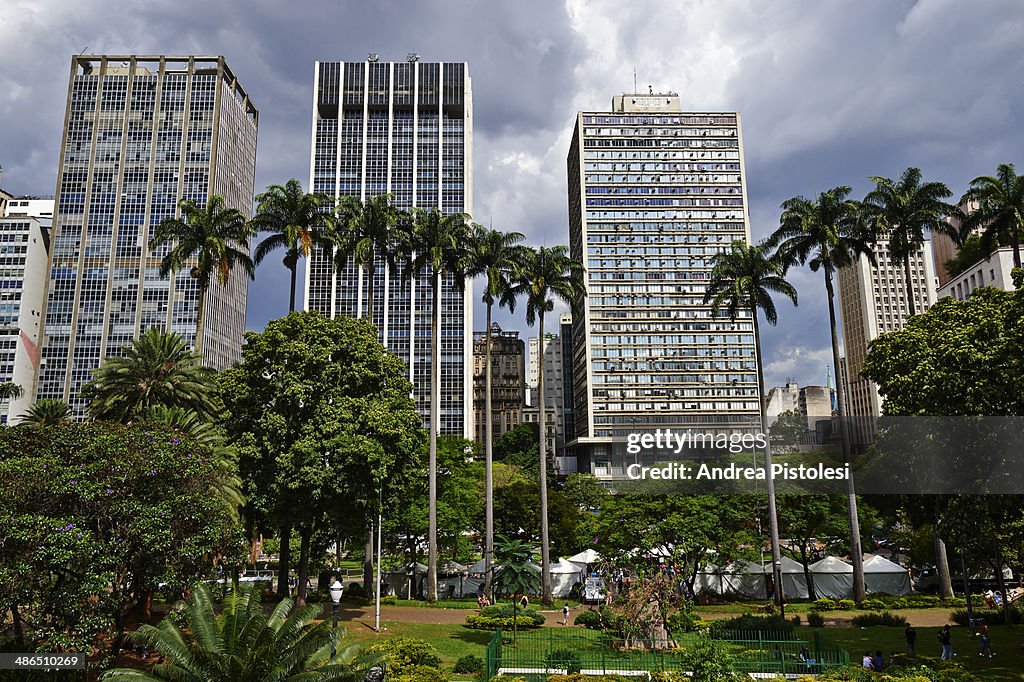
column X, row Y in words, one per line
column 833, row 578
column 751, row 580
column 587, row 556
column 479, row 567
column 794, row 582
column 404, row 580
column 882, row 575
column 565, row 574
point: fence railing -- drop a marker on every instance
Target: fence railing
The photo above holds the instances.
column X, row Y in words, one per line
column 535, row 654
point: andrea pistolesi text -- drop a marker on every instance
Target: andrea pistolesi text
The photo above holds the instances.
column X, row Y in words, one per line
column 734, row 472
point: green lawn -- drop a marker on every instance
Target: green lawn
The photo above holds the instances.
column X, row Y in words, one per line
column 1006, row 642
column 451, row 641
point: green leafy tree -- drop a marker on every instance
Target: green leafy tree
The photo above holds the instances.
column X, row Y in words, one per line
column 296, row 222
column 47, row 412
column 10, row 390
column 211, row 241
column 743, row 280
column 437, row 244
column 968, row 253
column 902, row 211
column 492, row 255
column 517, row 516
column 825, row 234
column 810, row 520
column 517, row 575
column 241, row 644
column 158, row 369
column 542, row 276
column 321, row 415
column 104, row 513
column 1000, row 213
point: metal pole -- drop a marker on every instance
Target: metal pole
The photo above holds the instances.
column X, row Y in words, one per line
column 967, row 593
column 334, row 615
column 380, row 522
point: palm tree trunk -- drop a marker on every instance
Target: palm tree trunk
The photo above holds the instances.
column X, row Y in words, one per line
column 1015, row 243
column 545, row 550
column 859, row 592
column 773, row 516
column 283, row 561
column 435, row 426
column 370, row 546
column 291, row 295
column 200, row 321
column 488, row 460
column 909, row 285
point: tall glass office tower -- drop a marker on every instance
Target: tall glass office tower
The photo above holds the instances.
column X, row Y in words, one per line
column 654, row 194
column 140, row 133
column 404, row 128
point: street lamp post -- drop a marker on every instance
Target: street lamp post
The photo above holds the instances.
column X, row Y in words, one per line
column 336, row 591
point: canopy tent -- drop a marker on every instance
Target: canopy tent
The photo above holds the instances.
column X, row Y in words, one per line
column 479, row 567
column 405, row 581
column 751, row 580
column 587, row 556
column 882, row 575
column 833, row 578
column 565, row 574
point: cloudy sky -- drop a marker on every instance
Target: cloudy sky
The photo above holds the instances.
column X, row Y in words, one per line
column 830, row 93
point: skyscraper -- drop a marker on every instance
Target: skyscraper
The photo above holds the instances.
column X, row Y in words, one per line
column 873, row 301
column 508, row 380
column 140, row 133
column 404, row 128
column 654, row 194
column 24, row 243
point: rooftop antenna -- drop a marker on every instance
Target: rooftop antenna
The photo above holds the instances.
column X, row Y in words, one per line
column 650, row 89
column 634, row 80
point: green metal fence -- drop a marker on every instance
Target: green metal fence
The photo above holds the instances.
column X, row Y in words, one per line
column 535, row 654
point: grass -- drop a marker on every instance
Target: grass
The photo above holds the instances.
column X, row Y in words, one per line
column 451, row 641
column 1006, row 642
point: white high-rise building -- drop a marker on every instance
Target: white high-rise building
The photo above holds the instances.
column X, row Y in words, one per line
column 24, row 244
column 873, row 301
column 406, row 129
column 654, row 194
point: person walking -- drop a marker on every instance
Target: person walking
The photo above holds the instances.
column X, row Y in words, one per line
column 911, row 634
column 986, row 644
column 946, row 640
column 565, row 614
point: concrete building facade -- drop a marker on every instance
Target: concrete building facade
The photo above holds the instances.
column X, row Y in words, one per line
column 508, row 381
column 404, row 128
column 141, row 133
column 24, row 247
column 873, row 301
column 994, row 271
column 654, row 194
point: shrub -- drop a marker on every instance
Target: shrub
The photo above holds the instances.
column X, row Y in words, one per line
column 417, row 673
column 588, row 619
column 815, row 619
column 577, row 677
column 872, row 605
column 847, row 605
column 355, row 591
column 709, row 661
column 823, row 604
column 478, row 622
column 751, row 622
column 956, row 602
column 564, row 659
column 469, row 664
column 389, row 600
column 404, row 652
column 795, row 620
column 923, row 670
column 509, row 610
column 683, row 619
column 923, row 601
column 990, row 616
column 885, row 618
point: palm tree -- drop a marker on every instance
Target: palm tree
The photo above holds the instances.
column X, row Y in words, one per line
column 493, row 255
column 243, row 645
column 156, row 369
column 901, row 211
column 212, row 240
column 437, row 244
column 10, row 391
column 47, row 412
column 743, row 280
column 296, row 222
column 517, row 575
column 1000, row 211
column 542, row 275
column 826, row 233
column 365, row 231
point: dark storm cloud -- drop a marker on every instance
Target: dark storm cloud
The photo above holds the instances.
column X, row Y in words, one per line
column 830, row 94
